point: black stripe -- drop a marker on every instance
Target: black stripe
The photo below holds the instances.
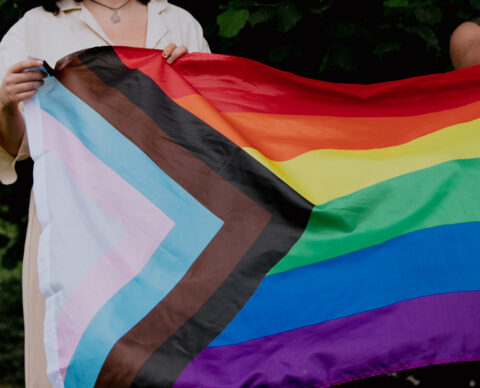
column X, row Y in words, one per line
column 290, row 214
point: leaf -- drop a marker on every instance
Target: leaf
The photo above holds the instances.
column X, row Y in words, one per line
column 326, row 61
column 319, row 10
column 232, row 21
column 428, row 15
column 238, row 4
column 395, row 3
column 279, row 54
column 428, row 35
column 462, row 15
column 262, row 15
column 9, row 234
column 475, row 4
column 288, row 16
column 343, row 57
column 387, row 47
column 4, row 208
column 341, row 29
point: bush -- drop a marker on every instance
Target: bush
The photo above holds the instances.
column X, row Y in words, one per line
column 343, row 40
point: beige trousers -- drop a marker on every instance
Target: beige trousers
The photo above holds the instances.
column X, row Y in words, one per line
column 33, row 308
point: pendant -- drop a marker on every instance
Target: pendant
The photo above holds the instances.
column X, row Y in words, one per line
column 115, row 17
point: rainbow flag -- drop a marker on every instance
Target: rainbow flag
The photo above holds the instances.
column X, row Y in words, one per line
column 219, row 223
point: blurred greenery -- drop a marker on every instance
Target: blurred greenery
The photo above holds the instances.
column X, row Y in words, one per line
column 333, row 40
column 342, row 40
column 13, row 221
column 11, row 326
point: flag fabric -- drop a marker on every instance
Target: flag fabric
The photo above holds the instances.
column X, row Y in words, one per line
column 219, row 223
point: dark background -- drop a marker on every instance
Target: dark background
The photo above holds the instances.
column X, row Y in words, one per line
column 334, row 40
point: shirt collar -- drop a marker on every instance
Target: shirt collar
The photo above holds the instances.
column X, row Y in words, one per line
column 157, row 6
column 154, row 6
column 156, row 27
column 157, row 23
column 69, row 5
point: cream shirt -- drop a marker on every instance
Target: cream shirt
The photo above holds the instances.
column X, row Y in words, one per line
column 44, row 35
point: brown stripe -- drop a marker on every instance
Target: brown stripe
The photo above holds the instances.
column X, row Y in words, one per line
column 243, row 220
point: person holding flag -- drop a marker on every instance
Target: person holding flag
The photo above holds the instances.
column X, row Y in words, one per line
column 51, row 31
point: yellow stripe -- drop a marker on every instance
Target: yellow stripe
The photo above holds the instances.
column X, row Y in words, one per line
column 323, row 175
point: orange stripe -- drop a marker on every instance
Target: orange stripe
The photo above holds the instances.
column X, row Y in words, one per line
column 283, row 137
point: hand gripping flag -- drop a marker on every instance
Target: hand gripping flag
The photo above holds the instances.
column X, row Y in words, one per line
column 219, row 223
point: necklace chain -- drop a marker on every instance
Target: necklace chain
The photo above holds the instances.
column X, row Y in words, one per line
column 115, row 16
column 112, row 8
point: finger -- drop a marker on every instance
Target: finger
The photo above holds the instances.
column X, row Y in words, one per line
column 177, row 53
column 23, row 96
column 27, row 76
column 169, row 50
column 25, row 87
column 24, row 65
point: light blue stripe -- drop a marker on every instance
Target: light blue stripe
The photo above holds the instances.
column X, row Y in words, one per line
column 432, row 261
column 172, row 259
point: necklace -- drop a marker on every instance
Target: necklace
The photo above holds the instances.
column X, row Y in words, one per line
column 115, row 16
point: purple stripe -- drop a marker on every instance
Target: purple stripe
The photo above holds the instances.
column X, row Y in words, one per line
column 424, row 331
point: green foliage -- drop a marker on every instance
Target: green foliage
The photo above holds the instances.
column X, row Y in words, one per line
column 232, row 21
column 262, row 15
column 10, row 11
column 428, row 15
column 288, row 15
column 395, row 3
column 475, row 4
column 13, row 221
column 11, row 327
column 344, row 40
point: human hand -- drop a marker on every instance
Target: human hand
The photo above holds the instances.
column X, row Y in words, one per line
column 172, row 52
column 20, row 84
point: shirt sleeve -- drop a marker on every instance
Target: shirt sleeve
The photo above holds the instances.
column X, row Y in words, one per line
column 191, row 32
column 202, row 42
column 12, row 50
column 204, row 48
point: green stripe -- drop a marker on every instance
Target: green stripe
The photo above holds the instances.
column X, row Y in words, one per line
column 447, row 193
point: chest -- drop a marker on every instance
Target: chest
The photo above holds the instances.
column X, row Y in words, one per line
column 130, row 29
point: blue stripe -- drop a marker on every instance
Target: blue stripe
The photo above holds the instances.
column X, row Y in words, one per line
column 171, row 260
column 432, row 261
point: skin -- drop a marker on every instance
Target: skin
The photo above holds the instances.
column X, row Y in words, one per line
column 465, row 45
column 17, row 86
column 20, row 84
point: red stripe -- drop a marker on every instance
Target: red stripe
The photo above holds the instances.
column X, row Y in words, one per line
column 235, row 84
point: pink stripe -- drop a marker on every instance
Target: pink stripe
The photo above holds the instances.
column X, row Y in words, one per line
column 146, row 225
